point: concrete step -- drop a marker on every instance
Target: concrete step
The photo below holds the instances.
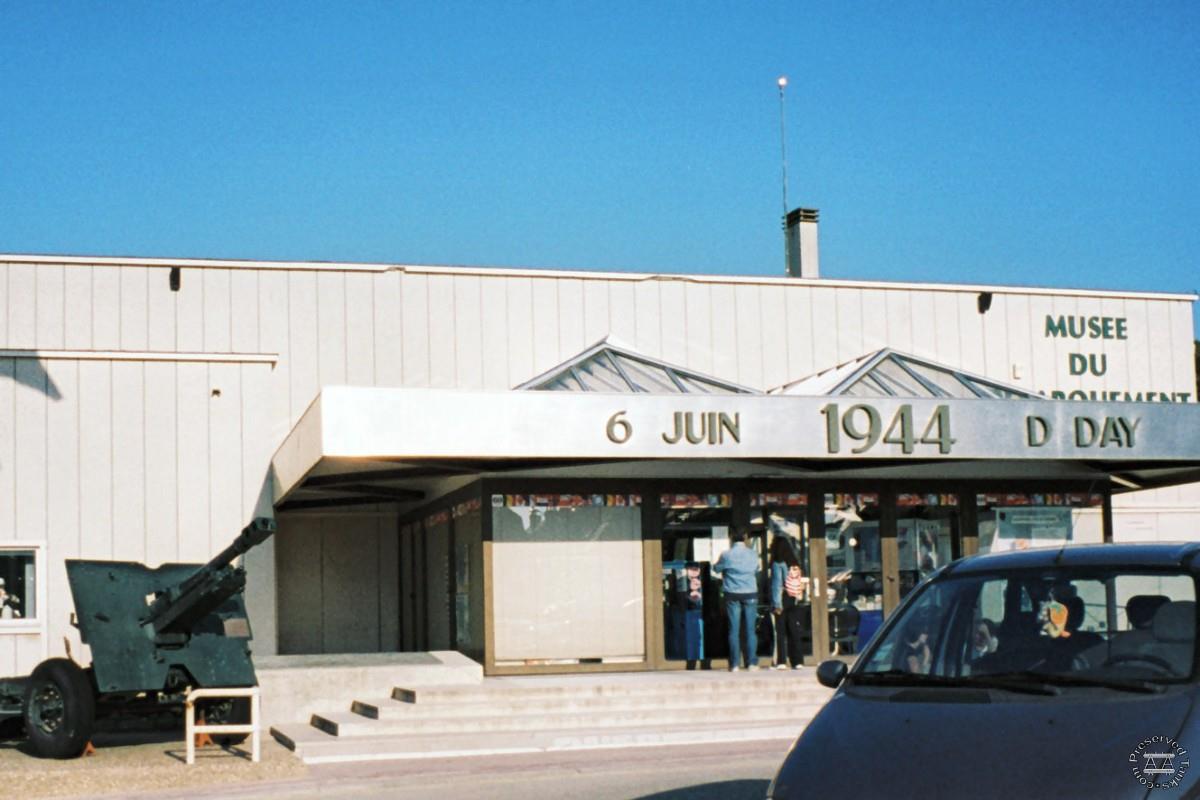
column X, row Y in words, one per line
column 317, row 747
column 348, row 723
column 388, row 707
column 714, row 683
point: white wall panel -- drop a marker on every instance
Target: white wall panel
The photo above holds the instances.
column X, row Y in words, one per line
column 7, row 449
column 648, row 334
column 724, row 332
column 4, row 303
column 947, row 335
column 595, row 311
column 748, row 336
column 622, row 312
column 360, row 329
column 161, row 311
column 494, row 325
column 1183, row 358
column 546, row 353
column 824, row 328
column 899, row 324
column 388, row 330
column 30, row 439
column 1021, row 331
column 304, row 379
column 218, row 322
column 106, row 308
column 1041, row 370
column 62, row 512
column 129, row 461
column 995, row 340
column 243, row 299
column 468, row 333
column 673, row 323
column 189, row 311
column 414, row 293
column 162, row 484
column 442, row 367
column 872, row 323
column 77, row 302
column 699, row 341
column 520, row 322
column 273, row 323
column 971, row 330
column 96, row 459
column 570, row 318
column 924, row 341
column 225, row 447
column 192, row 399
column 849, row 310
column 801, row 345
column 331, row 328
column 135, row 289
column 22, row 306
column 51, row 303
column 775, row 345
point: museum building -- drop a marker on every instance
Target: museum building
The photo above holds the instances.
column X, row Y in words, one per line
column 538, row 468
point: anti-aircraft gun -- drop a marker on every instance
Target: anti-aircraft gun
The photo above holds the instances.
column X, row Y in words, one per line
column 155, row 634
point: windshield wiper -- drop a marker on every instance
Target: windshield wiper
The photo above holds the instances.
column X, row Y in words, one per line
column 1074, row 679
column 1025, row 684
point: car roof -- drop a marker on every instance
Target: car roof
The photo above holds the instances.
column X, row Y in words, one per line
column 1155, row 554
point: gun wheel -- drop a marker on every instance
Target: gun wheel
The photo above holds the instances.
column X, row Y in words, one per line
column 60, row 709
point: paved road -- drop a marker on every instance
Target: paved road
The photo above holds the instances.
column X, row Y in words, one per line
column 708, row 772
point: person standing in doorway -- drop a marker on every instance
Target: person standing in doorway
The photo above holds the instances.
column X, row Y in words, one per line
column 738, row 568
column 788, row 591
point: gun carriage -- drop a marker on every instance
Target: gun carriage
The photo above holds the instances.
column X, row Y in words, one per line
column 155, row 634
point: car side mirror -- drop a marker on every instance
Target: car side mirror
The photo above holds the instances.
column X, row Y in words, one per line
column 831, row 673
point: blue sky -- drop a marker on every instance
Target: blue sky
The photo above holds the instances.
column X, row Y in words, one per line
column 1042, row 143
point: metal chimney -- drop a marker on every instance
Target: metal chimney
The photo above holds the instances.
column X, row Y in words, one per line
column 800, row 227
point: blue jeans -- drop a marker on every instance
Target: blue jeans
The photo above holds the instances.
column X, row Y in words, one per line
column 739, row 611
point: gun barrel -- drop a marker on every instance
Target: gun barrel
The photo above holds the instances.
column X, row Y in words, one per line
column 209, row 586
column 254, row 534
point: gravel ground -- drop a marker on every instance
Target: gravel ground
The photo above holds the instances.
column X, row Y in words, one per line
column 124, row 764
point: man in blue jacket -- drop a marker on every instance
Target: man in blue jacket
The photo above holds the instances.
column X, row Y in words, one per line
column 738, row 567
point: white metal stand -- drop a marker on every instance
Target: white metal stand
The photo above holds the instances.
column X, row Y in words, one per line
column 252, row 728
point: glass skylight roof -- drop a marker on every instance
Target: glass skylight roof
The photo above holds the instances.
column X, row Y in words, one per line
column 890, row 373
column 608, row 367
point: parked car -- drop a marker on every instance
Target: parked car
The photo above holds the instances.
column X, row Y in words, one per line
column 1058, row 672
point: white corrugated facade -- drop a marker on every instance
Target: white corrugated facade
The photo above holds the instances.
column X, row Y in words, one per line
column 138, row 423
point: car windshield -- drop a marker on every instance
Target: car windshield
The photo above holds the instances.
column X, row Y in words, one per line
column 1062, row 625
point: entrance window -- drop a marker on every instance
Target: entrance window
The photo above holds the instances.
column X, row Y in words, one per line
column 780, row 522
column 695, row 533
column 1019, row 521
column 926, row 527
column 854, row 564
column 568, row 582
column 18, row 585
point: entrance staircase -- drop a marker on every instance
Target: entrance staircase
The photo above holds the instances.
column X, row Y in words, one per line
column 570, row 712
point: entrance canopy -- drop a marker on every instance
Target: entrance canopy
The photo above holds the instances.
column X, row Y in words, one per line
column 368, row 445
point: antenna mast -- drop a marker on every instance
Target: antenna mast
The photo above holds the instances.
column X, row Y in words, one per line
column 783, row 82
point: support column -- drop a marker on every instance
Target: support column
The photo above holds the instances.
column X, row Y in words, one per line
column 819, row 575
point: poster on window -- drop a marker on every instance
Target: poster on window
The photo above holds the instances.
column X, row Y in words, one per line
column 1030, row 526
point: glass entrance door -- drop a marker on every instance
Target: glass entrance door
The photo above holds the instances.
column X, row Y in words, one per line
column 779, row 528
column 695, row 532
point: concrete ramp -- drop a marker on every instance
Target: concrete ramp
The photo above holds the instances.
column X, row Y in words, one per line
column 569, row 712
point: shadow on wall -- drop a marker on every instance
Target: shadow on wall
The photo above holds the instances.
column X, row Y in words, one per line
column 30, row 372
